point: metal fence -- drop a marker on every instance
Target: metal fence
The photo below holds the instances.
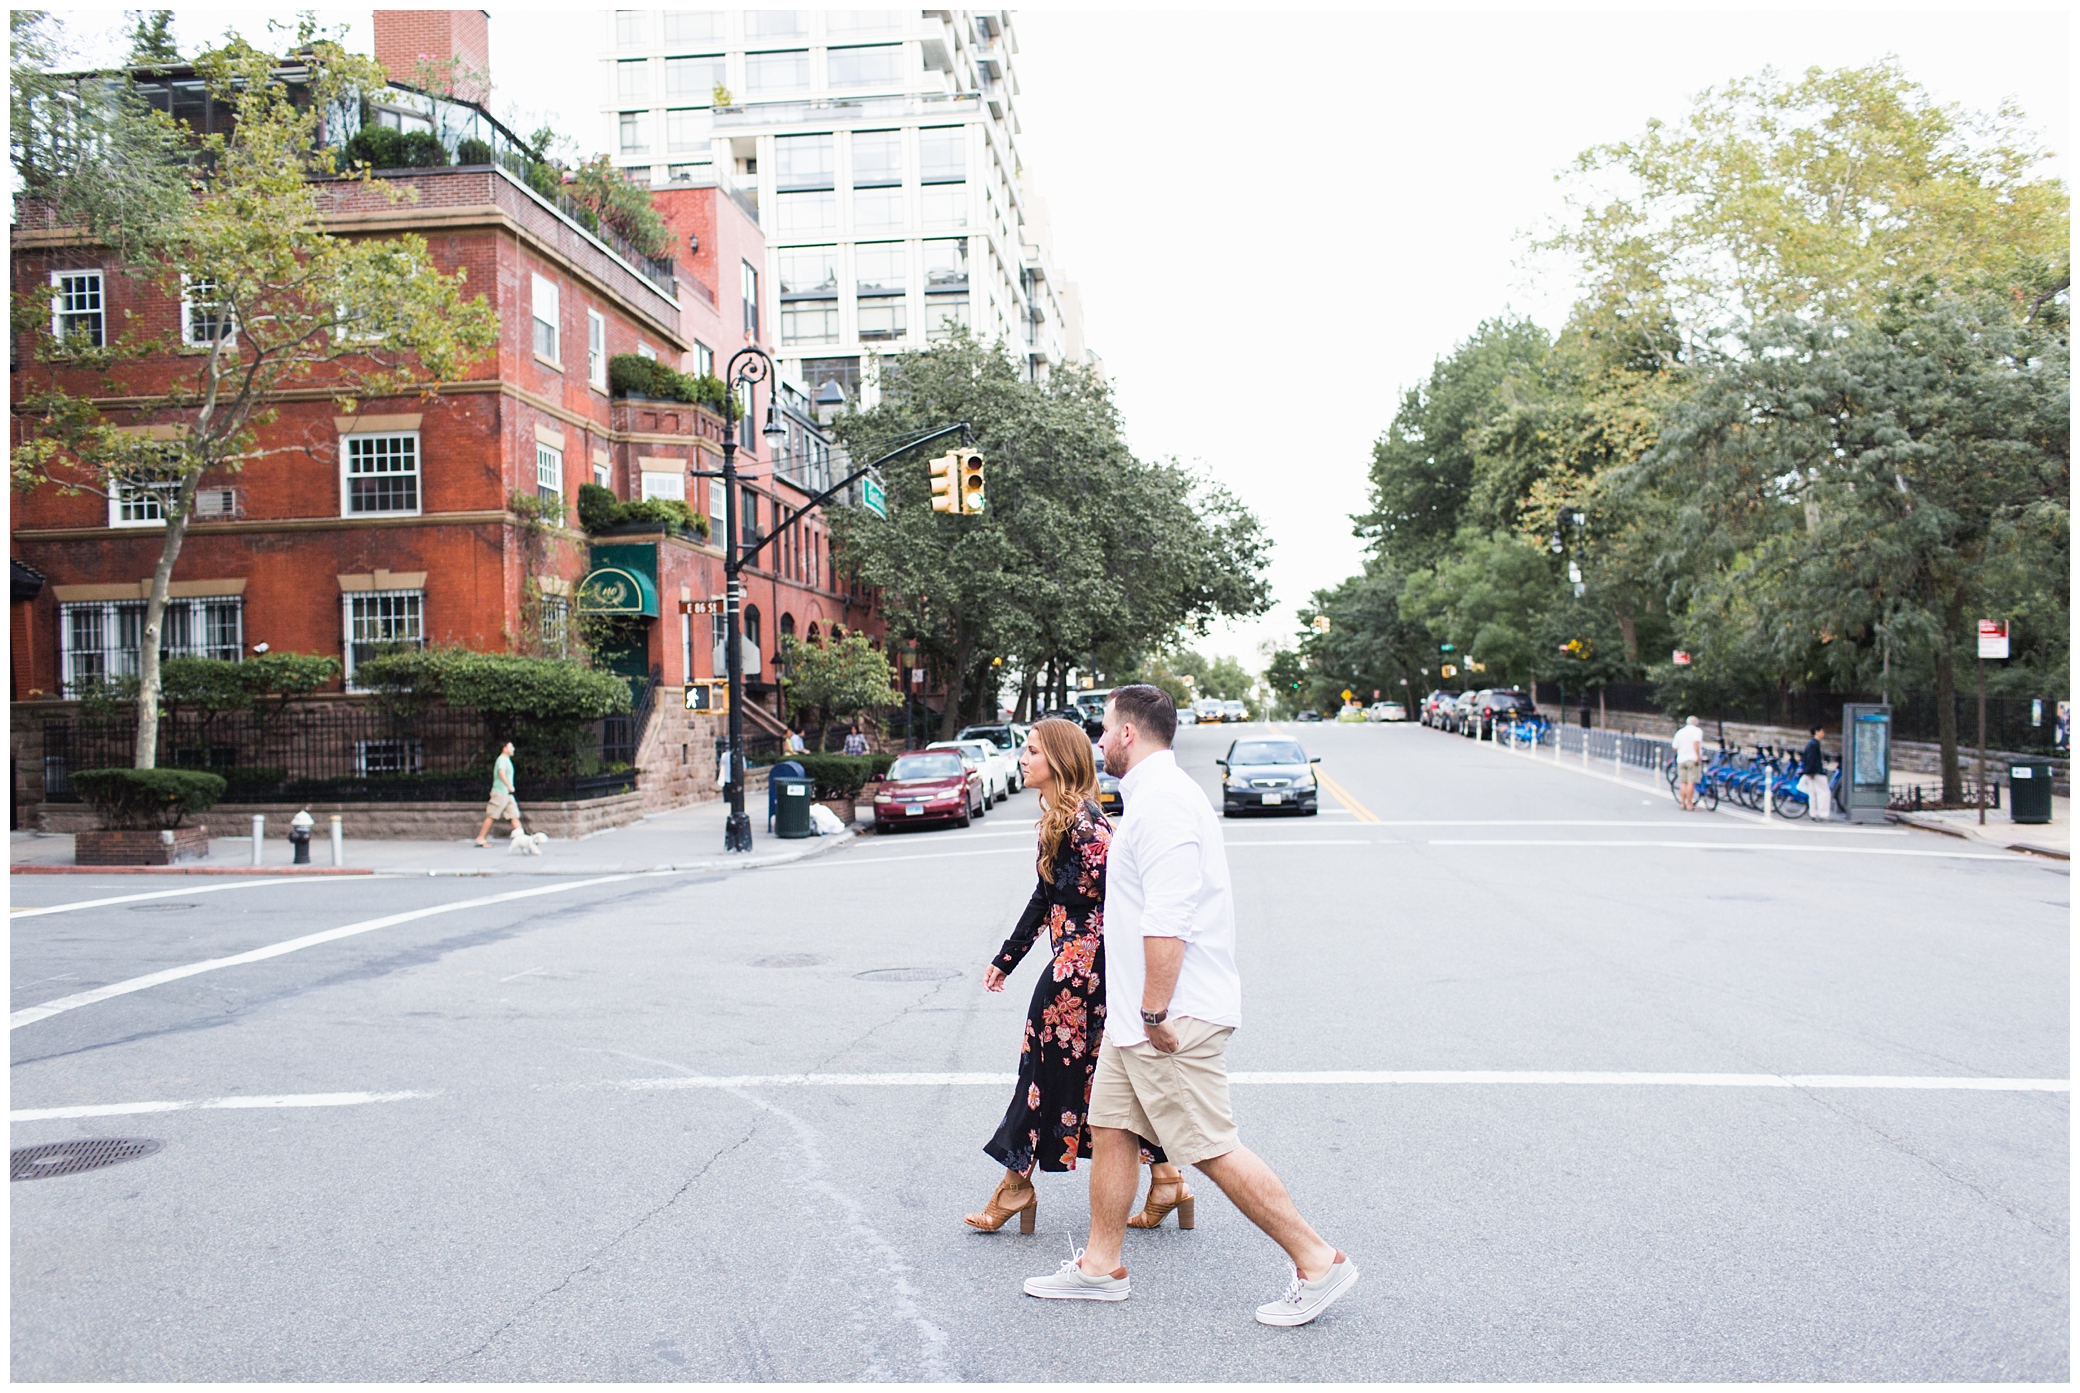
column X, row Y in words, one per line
column 1612, row 747
column 2019, row 723
column 351, row 754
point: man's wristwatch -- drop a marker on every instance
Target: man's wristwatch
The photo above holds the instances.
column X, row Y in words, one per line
column 1155, row 1017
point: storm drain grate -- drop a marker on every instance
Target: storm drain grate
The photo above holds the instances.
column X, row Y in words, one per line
column 66, row 1157
column 906, row 974
column 791, row 960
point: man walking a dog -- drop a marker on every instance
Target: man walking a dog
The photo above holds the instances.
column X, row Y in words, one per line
column 502, row 802
column 1172, row 999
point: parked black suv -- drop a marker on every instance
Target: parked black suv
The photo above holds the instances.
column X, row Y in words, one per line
column 1495, row 704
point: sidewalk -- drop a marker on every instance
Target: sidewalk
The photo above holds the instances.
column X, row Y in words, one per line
column 686, row 839
column 2053, row 838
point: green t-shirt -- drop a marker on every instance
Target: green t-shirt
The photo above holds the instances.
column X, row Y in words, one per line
column 502, row 775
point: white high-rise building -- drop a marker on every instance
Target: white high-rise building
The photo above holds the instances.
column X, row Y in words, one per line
column 878, row 150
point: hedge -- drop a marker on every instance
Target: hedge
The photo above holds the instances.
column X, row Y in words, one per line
column 599, row 509
column 145, row 798
column 836, row 776
column 632, row 372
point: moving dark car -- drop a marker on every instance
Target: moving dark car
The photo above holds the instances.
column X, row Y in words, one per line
column 1308, row 716
column 928, row 787
column 1267, row 776
column 1108, row 786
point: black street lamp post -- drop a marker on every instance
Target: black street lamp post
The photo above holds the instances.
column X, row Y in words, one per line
column 748, row 367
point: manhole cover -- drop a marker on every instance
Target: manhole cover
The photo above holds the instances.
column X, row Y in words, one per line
column 906, row 974
column 791, row 960
column 160, row 908
column 65, row 1157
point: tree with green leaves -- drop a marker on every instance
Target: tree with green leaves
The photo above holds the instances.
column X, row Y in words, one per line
column 232, row 224
column 1084, row 556
column 839, row 677
column 1847, row 480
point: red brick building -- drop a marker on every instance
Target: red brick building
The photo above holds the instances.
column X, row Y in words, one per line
column 394, row 526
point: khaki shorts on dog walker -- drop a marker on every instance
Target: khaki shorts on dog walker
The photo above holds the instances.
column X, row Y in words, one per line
column 1179, row 1101
column 502, row 805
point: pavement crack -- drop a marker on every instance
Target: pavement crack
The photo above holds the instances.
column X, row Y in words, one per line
column 592, row 1259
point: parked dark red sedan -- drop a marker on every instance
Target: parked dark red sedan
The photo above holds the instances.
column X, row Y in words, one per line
column 931, row 786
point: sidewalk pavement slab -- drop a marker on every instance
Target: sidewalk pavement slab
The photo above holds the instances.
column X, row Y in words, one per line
column 683, row 839
column 2053, row 838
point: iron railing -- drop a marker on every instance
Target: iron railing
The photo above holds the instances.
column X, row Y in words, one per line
column 360, row 753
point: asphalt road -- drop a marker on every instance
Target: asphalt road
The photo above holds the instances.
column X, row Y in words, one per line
column 542, row 1137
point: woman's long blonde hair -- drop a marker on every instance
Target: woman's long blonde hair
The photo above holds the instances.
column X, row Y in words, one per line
column 1074, row 776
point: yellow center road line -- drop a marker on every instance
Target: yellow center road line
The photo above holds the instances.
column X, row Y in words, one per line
column 1342, row 795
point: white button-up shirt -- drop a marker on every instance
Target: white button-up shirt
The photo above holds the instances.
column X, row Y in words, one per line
column 1166, row 876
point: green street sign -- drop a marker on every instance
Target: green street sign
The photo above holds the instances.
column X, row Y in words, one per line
column 873, row 498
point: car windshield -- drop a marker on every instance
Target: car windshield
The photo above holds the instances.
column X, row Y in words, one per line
column 1268, row 752
column 927, row 766
column 1000, row 736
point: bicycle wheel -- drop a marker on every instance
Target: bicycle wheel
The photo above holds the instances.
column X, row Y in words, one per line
column 1707, row 795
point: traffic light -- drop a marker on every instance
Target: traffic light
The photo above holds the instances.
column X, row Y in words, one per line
column 972, row 496
column 946, row 497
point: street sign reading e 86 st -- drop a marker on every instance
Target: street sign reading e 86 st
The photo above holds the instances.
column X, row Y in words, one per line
column 873, row 498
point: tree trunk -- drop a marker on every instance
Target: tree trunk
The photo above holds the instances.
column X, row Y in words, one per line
column 949, row 717
column 147, row 748
column 1946, row 698
column 1629, row 627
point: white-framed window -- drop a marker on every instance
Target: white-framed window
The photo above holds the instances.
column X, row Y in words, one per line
column 877, row 211
column 596, row 349
column 548, row 471
column 379, row 473
column 809, row 321
column 703, row 359
column 603, row 474
column 805, row 161
column 877, row 158
column 851, row 22
column 718, row 521
column 944, row 205
column 382, row 621
column 379, row 757
column 204, row 319
column 691, row 26
column 942, row 153
column 882, row 318
column 688, row 131
column 658, row 484
column 776, row 24
column 77, row 312
column 633, row 141
column 945, row 313
column 555, row 620
column 548, row 315
column 631, row 28
column 139, row 503
column 748, row 282
column 810, row 213
column 100, row 641
column 866, row 67
column 632, row 81
column 644, row 350
column 693, row 80
column 786, row 71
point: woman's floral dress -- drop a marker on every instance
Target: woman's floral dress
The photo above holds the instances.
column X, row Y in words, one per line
column 1047, row 1123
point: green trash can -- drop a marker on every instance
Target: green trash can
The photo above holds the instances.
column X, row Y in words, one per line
column 2029, row 791
column 797, row 796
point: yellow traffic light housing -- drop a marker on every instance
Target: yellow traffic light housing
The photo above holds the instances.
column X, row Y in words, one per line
column 946, row 495
column 972, row 494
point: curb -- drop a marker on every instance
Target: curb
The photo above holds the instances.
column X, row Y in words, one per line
column 1940, row 830
column 188, row 870
column 817, row 846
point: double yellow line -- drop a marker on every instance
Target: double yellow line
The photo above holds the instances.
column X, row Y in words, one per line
column 1343, row 796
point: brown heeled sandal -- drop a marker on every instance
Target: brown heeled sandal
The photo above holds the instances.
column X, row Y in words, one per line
column 997, row 1211
column 1153, row 1213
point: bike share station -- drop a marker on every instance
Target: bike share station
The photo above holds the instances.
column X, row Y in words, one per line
column 1866, row 762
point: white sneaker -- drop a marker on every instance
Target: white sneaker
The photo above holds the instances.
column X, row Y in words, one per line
column 1072, row 1283
column 1305, row 1300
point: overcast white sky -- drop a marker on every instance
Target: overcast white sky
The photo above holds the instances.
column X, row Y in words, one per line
column 1280, row 219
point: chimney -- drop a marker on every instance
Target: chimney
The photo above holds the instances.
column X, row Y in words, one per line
column 447, row 41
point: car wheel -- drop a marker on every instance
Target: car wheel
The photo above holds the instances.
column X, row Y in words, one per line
column 967, row 816
column 1309, row 812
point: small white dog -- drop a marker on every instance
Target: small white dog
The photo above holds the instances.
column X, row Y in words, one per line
column 528, row 842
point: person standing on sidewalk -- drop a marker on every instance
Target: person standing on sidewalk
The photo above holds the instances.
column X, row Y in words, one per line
column 1172, row 999
column 855, row 743
column 502, row 802
column 1812, row 769
column 1689, row 747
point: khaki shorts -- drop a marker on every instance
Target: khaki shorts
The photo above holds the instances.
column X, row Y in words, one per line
column 1689, row 771
column 502, row 804
column 1179, row 1101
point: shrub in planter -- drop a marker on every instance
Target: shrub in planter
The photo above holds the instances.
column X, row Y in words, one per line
column 127, row 799
column 599, row 509
column 470, row 150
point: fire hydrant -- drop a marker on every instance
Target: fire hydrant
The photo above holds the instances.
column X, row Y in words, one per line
column 300, row 836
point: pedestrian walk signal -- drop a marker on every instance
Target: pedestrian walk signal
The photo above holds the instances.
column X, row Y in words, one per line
column 946, row 495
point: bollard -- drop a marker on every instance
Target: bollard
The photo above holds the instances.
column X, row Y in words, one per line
column 339, row 842
column 259, row 835
column 300, row 837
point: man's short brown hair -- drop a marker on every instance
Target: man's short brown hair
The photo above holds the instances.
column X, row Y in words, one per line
column 1149, row 709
